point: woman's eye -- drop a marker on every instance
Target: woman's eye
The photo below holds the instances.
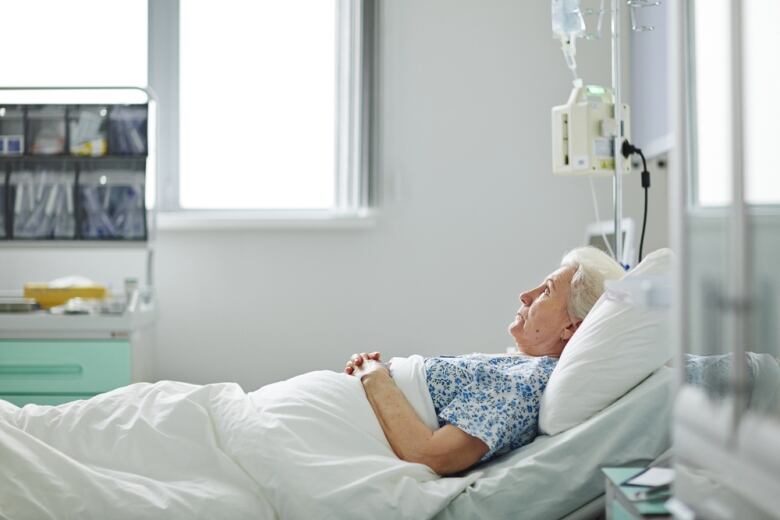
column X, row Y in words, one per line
column 547, row 291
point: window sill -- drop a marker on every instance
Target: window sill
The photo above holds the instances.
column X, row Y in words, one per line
column 287, row 219
column 719, row 212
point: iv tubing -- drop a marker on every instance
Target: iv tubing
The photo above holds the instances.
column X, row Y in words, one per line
column 618, row 139
column 598, row 218
column 569, row 49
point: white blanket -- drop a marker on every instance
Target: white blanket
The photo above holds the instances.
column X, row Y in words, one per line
column 308, row 447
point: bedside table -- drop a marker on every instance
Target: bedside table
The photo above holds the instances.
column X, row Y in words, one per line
column 619, row 503
column 48, row 359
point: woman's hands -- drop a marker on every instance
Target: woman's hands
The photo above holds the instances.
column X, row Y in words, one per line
column 360, row 365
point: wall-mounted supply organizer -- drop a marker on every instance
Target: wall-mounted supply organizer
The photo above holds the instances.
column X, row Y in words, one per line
column 76, row 167
column 74, row 172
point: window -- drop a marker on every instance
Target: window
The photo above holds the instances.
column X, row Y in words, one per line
column 762, row 112
column 713, row 99
column 270, row 100
column 86, row 43
column 761, row 70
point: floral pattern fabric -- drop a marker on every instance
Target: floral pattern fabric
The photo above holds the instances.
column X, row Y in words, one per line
column 495, row 398
column 713, row 372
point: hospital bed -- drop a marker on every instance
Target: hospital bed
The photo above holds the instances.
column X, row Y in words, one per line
column 190, row 451
column 559, row 476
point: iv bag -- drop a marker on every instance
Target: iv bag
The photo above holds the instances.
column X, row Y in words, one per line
column 567, row 25
column 567, row 20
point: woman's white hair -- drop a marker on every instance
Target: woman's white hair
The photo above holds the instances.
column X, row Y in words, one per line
column 592, row 267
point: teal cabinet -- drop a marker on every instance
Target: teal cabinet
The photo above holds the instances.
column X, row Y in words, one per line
column 56, row 371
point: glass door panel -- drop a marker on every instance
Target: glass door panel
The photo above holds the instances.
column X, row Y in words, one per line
column 708, row 263
column 762, row 193
column 727, row 311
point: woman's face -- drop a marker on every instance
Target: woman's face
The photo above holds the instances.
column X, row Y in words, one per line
column 543, row 325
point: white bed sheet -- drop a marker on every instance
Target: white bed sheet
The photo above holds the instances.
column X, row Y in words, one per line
column 308, row 447
column 554, row 475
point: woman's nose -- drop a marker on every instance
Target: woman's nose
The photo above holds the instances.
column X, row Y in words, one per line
column 526, row 298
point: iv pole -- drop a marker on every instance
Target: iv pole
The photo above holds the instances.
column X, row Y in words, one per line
column 617, row 182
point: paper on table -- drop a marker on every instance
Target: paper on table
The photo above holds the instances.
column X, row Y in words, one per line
column 71, row 281
column 652, row 477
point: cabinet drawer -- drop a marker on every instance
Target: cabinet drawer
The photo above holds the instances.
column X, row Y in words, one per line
column 63, row 367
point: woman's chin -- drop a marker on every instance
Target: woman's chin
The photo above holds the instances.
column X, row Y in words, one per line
column 516, row 331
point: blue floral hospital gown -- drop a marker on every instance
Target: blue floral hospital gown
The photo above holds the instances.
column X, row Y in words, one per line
column 492, row 397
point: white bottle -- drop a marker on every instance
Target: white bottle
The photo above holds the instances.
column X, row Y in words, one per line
column 131, row 293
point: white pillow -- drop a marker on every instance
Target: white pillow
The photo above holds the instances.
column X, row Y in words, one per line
column 617, row 346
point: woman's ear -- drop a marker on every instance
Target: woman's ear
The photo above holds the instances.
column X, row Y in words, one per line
column 569, row 331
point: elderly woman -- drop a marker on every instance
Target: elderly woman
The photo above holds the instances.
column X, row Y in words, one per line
column 488, row 404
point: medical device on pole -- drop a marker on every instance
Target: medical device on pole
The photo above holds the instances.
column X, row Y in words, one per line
column 584, row 131
column 589, row 131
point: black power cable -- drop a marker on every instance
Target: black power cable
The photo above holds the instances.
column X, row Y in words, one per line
column 627, row 150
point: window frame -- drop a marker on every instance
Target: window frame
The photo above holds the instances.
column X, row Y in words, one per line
column 354, row 57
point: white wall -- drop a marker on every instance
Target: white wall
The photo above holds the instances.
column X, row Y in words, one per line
column 469, row 213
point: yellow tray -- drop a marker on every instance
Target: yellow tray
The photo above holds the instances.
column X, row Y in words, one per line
column 50, row 297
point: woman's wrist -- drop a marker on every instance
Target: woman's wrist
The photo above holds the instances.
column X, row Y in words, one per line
column 380, row 372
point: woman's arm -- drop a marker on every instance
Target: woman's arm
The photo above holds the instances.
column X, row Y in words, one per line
column 447, row 450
